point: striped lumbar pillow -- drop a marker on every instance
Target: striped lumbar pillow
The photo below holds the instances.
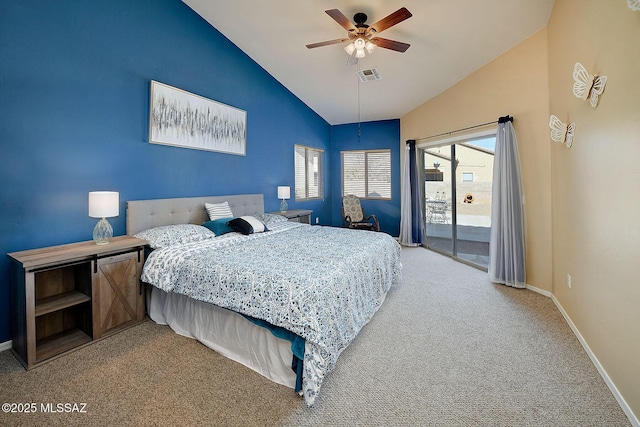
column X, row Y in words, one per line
column 218, row 210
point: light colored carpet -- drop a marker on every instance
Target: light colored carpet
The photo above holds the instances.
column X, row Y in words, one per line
column 447, row 348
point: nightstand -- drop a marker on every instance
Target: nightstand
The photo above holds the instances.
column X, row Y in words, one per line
column 296, row 215
column 64, row 297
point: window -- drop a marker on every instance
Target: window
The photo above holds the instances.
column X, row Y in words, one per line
column 467, row 176
column 433, row 175
column 308, row 170
column 367, row 173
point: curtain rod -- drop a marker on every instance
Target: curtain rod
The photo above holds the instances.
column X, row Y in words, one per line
column 504, row 119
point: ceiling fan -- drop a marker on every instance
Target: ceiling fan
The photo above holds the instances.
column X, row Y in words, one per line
column 363, row 37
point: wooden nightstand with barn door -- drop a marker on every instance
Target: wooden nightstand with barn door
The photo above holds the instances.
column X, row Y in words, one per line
column 64, row 297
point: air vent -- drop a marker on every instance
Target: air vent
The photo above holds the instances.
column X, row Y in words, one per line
column 369, row 75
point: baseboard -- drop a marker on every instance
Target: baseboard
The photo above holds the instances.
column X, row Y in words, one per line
column 6, row 345
column 540, row 291
column 623, row 404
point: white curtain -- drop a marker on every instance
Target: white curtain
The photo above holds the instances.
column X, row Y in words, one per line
column 411, row 217
column 507, row 245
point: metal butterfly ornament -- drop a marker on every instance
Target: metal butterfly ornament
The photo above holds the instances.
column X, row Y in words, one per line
column 587, row 86
column 634, row 4
column 562, row 132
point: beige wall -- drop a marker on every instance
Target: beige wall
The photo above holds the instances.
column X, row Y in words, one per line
column 582, row 211
column 596, row 220
column 515, row 84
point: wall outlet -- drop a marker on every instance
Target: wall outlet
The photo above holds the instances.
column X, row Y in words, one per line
column 569, row 281
column 317, row 220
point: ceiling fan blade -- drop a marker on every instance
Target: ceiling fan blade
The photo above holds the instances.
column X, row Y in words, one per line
column 390, row 44
column 341, row 19
column 391, row 20
column 327, row 43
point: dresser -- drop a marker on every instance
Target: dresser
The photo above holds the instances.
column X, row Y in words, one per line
column 64, row 297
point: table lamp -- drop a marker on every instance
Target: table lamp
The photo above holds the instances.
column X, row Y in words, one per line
column 103, row 205
column 284, row 193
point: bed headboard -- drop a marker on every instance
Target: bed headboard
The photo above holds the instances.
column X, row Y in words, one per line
column 145, row 214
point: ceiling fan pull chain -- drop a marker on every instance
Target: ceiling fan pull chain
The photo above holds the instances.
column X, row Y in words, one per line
column 359, row 129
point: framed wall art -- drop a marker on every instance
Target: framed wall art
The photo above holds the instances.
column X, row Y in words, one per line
column 183, row 119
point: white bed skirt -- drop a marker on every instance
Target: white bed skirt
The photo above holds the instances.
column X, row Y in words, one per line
column 226, row 332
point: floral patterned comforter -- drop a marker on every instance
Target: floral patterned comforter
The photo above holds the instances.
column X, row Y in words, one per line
column 322, row 283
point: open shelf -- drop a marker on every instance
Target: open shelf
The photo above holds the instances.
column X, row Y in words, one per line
column 59, row 343
column 58, row 302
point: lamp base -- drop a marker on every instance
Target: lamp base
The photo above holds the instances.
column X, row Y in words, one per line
column 283, row 206
column 102, row 232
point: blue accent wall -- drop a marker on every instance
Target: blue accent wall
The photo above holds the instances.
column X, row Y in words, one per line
column 74, row 105
column 74, row 101
column 373, row 135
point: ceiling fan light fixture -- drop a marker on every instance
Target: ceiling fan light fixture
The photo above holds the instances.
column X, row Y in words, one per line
column 361, row 36
column 370, row 47
column 350, row 48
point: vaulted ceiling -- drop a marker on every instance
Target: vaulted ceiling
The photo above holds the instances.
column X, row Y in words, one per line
column 449, row 40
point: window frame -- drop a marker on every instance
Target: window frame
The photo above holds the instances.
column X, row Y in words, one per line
column 471, row 174
column 320, row 177
column 366, row 152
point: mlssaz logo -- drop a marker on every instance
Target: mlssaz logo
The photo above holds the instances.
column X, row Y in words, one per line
column 64, row 407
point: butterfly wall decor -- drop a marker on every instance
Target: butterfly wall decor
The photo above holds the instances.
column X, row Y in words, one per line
column 562, row 132
column 634, row 4
column 587, row 86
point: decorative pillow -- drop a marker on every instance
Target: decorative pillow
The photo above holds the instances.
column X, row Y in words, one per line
column 218, row 210
column 168, row 235
column 219, row 226
column 247, row 225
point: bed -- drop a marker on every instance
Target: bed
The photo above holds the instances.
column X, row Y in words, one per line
column 284, row 302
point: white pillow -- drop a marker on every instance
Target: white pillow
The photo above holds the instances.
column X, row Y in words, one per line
column 168, row 235
column 218, row 210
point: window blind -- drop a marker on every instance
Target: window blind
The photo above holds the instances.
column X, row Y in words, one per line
column 367, row 173
column 308, row 173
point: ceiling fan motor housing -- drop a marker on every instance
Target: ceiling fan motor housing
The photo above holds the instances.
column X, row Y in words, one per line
column 360, row 19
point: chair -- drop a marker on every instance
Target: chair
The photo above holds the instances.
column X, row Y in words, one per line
column 354, row 217
column 437, row 211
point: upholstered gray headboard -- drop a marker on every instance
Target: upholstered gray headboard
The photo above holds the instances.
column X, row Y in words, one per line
column 145, row 214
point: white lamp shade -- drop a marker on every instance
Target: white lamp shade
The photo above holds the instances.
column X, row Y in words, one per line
column 350, row 48
column 370, row 47
column 284, row 192
column 104, row 204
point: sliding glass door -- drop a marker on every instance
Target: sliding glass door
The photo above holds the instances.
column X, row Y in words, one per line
column 437, row 189
column 457, row 186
